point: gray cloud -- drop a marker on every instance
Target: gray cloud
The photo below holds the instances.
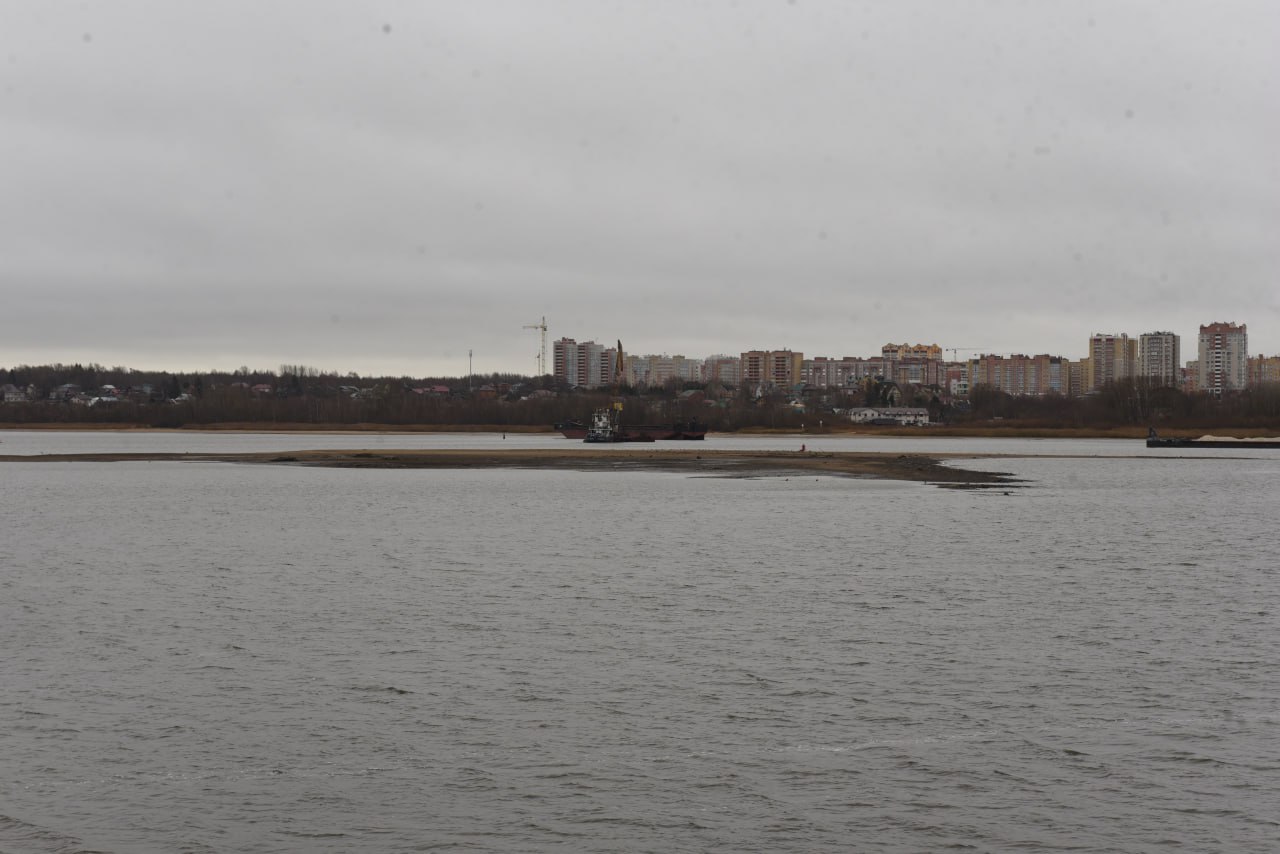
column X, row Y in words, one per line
column 383, row 187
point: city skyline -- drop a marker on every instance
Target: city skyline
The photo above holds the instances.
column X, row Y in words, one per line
column 1168, row 350
column 1136, row 359
column 1222, row 363
column 384, row 189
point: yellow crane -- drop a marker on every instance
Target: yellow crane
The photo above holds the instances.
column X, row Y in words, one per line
column 542, row 353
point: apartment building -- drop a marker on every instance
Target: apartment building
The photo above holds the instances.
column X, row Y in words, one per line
column 1111, row 358
column 1159, row 359
column 916, row 371
column 1191, row 377
column 904, row 352
column 825, row 372
column 583, row 364
column 722, row 369
column 777, row 368
column 1263, row 370
column 656, row 370
column 1018, row 374
column 1223, row 357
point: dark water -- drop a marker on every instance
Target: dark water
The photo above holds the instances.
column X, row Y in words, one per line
column 208, row 657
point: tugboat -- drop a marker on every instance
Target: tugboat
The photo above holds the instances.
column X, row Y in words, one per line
column 604, row 428
column 681, row 430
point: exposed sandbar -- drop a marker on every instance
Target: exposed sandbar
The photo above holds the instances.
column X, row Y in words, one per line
column 722, row 463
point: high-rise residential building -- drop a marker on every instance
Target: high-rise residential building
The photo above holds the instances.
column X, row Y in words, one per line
column 1224, row 353
column 687, row 370
column 1159, row 359
column 586, row 363
column 778, row 368
column 596, row 364
column 564, row 361
column 1111, row 358
column 1081, row 372
column 1264, row 370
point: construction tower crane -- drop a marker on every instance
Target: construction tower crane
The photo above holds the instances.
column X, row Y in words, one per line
column 542, row 354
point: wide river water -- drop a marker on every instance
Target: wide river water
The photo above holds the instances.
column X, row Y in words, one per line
column 210, row 657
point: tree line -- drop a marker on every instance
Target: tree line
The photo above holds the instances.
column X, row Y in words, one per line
column 299, row 394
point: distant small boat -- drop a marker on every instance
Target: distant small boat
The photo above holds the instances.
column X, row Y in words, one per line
column 681, row 430
column 1154, row 441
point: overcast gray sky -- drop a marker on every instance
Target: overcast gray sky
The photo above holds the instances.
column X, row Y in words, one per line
column 381, row 186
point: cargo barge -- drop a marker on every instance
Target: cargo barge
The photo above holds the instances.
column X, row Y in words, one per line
column 1154, row 441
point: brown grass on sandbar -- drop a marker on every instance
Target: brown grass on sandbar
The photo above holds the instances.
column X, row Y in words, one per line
column 722, row 463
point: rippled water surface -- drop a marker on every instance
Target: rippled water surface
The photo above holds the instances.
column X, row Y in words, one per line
column 212, row 657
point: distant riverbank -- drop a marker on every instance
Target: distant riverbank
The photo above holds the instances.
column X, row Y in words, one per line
column 985, row 430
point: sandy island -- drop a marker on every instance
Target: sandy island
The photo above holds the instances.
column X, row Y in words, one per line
column 711, row 463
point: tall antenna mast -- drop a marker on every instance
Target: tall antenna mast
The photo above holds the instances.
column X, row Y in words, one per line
column 542, row 354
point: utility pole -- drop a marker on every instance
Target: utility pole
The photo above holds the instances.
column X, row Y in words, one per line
column 542, row 354
column 469, row 371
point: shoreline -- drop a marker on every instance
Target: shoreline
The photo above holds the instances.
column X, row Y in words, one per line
column 925, row 468
column 936, row 431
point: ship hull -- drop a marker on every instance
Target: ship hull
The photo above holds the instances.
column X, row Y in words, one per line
column 572, row 429
column 620, row 436
column 1238, row 444
column 650, row 432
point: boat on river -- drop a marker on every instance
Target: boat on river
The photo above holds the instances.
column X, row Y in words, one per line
column 1155, row 441
column 679, row 431
column 605, row 427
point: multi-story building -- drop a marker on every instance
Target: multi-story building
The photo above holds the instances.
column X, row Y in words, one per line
column 1111, row 358
column 825, row 372
column 597, row 364
column 1159, row 359
column 1080, row 373
column 1077, row 371
column 1264, row 370
column 957, row 384
column 777, row 368
column 586, row 363
column 1191, row 376
column 902, row 352
column 722, row 369
column 654, row 370
column 1018, row 374
column 1224, row 353
column 912, row 364
column 915, row 371
column 564, row 361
